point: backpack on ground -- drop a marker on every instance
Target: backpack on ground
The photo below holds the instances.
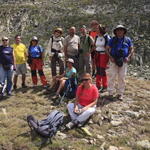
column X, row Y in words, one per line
column 47, row 127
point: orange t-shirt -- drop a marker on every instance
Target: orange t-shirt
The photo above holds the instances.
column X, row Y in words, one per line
column 93, row 34
column 87, row 96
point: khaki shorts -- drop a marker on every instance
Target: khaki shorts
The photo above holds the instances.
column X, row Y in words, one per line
column 21, row 69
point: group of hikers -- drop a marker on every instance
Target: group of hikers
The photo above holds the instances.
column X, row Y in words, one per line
column 85, row 57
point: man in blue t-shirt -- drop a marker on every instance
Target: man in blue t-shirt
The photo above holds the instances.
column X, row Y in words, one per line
column 120, row 50
column 6, row 67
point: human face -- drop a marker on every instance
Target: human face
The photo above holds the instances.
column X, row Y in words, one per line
column 5, row 42
column 83, row 31
column 34, row 42
column 120, row 33
column 86, row 81
column 69, row 64
column 18, row 39
column 72, row 31
column 57, row 33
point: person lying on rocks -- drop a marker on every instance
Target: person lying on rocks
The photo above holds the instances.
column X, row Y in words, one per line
column 85, row 103
column 61, row 79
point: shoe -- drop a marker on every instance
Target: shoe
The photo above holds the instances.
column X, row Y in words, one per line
column 110, row 97
column 70, row 125
column 14, row 87
column 46, row 86
column 103, row 89
column 9, row 94
column 23, row 85
column 120, row 97
column 56, row 96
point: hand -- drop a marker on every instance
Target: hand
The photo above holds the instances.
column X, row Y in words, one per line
column 126, row 60
column 14, row 68
column 112, row 59
column 76, row 109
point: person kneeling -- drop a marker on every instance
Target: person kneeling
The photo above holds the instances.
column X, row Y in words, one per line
column 68, row 74
column 85, row 103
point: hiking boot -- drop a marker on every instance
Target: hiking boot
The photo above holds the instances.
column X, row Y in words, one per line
column 70, row 125
column 24, row 85
column 56, row 96
column 103, row 89
column 9, row 94
column 119, row 97
column 110, row 97
column 14, row 86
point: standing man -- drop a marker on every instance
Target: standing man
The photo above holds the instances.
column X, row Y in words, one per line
column 20, row 52
column 120, row 50
column 86, row 43
column 7, row 63
column 71, row 46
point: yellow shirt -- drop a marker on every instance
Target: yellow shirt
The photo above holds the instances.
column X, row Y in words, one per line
column 20, row 51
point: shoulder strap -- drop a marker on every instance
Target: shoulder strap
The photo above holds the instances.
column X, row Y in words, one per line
column 96, row 39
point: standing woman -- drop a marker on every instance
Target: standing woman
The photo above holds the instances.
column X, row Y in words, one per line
column 55, row 50
column 101, row 57
column 6, row 66
column 35, row 60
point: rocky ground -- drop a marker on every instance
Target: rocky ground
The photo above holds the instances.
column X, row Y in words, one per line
column 117, row 125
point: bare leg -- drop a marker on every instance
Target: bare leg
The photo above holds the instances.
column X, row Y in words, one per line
column 62, row 83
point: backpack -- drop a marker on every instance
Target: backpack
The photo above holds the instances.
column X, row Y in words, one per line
column 47, row 127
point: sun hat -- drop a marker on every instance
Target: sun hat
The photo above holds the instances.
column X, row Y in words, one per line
column 70, row 60
column 59, row 29
column 120, row 27
column 34, row 38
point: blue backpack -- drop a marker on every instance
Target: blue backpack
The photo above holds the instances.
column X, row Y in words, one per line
column 47, row 127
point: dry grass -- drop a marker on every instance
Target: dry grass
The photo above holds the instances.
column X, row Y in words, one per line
column 15, row 135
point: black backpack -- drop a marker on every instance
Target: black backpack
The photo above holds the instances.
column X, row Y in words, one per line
column 47, row 127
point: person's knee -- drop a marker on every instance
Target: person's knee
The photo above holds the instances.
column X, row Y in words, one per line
column 70, row 106
column 91, row 110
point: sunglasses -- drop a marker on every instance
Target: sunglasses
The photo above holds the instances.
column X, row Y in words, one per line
column 85, row 80
column 4, row 40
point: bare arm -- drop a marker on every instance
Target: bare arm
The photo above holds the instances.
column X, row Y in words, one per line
column 88, row 106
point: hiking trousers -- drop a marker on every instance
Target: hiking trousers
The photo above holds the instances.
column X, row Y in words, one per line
column 81, row 118
column 37, row 65
column 101, row 60
column 120, row 73
column 84, row 64
column 54, row 61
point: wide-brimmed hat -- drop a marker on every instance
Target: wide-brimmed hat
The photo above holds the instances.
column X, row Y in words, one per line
column 34, row 38
column 120, row 27
column 59, row 29
column 70, row 60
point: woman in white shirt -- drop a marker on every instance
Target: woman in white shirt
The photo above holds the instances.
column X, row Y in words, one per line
column 55, row 50
column 101, row 58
